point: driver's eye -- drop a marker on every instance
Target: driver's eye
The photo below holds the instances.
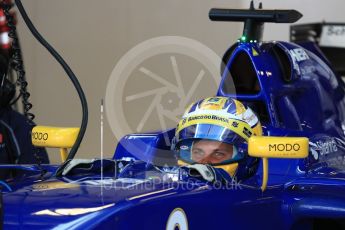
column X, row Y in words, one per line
column 218, row 155
column 197, row 153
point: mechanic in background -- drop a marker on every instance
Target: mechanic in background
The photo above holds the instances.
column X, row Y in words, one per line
column 15, row 129
column 214, row 131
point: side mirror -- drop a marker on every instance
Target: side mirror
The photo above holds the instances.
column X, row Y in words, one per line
column 54, row 137
column 276, row 147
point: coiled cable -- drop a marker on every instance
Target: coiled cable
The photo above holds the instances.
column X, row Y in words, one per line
column 16, row 62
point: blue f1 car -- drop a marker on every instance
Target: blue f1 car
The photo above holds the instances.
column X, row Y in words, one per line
column 295, row 93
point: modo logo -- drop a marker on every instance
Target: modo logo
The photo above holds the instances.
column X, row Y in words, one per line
column 284, row 147
column 40, row 136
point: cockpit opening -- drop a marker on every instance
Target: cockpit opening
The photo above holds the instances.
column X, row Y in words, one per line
column 241, row 77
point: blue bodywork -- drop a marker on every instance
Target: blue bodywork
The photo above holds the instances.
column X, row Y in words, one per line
column 293, row 90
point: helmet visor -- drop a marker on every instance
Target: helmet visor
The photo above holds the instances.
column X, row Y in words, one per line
column 205, row 151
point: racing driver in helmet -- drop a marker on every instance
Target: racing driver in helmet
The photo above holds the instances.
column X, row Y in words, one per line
column 214, row 131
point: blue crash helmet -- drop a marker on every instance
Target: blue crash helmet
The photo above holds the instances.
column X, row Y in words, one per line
column 215, row 131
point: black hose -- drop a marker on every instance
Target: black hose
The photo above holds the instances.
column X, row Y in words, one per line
column 68, row 71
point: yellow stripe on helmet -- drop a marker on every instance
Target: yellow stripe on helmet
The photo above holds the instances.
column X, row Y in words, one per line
column 239, row 127
column 213, row 103
column 257, row 129
column 239, row 107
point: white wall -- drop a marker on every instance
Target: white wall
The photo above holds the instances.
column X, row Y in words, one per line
column 92, row 36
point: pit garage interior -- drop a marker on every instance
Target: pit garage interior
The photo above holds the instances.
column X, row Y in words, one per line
column 93, row 36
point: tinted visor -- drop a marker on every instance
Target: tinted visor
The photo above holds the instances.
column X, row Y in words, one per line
column 211, row 152
column 210, row 144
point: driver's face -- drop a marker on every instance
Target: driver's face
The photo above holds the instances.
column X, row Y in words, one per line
column 211, row 152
